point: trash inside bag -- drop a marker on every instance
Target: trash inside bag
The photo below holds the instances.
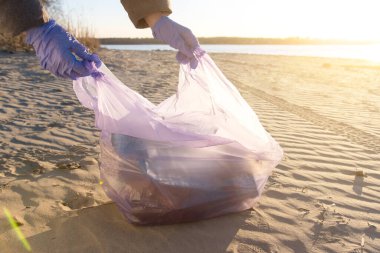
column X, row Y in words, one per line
column 199, row 154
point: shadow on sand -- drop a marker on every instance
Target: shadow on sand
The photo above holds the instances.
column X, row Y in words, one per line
column 104, row 229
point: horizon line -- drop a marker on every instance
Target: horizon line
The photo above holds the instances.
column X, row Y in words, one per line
column 248, row 40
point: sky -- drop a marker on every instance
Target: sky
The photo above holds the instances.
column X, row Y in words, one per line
column 323, row 19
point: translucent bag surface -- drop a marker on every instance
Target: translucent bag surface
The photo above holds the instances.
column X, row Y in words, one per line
column 200, row 153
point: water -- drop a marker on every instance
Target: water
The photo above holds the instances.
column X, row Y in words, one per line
column 367, row 52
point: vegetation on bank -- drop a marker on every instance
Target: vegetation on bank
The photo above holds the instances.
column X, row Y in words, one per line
column 13, row 44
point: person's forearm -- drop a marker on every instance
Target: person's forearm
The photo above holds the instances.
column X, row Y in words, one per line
column 140, row 10
column 152, row 19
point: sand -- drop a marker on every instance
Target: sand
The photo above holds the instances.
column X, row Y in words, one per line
column 323, row 197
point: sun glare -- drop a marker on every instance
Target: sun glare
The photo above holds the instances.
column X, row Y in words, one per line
column 349, row 19
column 326, row 19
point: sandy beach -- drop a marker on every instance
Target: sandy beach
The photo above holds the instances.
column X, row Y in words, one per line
column 323, row 197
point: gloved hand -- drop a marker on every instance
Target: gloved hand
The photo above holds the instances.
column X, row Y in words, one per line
column 55, row 47
column 178, row 37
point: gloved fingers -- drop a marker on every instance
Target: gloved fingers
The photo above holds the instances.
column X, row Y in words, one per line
column 183, row 59
column 81, row 51
column 91, row 66
column 177, row 36
column 60, row 69
column 198, row 52
column 64, row 66
column 182, row 46
column 43, row 63
column 190, row 39
column 192, row 46
column 73, row 76
column 84, row 68
column 95, row 58
column 79, row 70
column 65, row 74
column 194, row 63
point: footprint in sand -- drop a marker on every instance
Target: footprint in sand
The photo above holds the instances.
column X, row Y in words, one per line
column 68, row 166
column 78, row 200
column 245, row 248
column 56, row 124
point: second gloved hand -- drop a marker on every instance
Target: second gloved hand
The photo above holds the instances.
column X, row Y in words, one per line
column 178, row 37
column 54, row 47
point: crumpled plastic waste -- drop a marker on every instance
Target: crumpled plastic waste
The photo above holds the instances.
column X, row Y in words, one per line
column 200, row 153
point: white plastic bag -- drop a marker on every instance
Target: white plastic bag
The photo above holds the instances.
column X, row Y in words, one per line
column 200, row 153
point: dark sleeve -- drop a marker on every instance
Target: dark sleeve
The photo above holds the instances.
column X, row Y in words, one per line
column 139, row 9
column 17, row 16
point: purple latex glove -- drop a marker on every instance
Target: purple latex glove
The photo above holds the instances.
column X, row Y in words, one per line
column 178, row 37
column 55, row 47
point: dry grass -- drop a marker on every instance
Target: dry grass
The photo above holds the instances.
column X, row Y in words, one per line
column 14, row 44
column 83, row 34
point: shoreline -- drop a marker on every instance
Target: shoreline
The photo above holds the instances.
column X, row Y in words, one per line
column 317, row 51
column 354, row 62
